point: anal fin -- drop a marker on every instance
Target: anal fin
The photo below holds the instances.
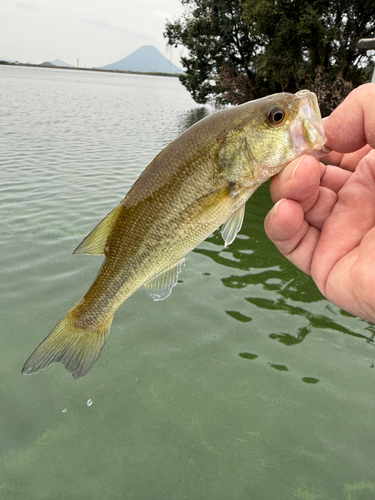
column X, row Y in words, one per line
column 160, row 287
column 233, row 225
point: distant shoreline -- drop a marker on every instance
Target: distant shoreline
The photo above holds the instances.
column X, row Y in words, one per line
column 53, row 66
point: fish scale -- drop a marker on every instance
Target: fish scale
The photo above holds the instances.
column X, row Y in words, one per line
column 199, row 182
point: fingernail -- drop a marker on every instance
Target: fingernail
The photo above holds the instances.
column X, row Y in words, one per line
column 285, row 174
column 273, row 211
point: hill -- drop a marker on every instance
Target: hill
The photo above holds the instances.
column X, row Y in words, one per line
column 147, row 59
column 59, row 62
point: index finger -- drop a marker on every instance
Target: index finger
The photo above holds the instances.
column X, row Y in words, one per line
column 352, row 124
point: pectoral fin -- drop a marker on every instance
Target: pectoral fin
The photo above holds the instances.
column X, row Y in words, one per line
column 96, row 241
column 230, row 229
column 160, row 287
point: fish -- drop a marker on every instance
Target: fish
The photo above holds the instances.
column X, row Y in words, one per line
column 199, row 182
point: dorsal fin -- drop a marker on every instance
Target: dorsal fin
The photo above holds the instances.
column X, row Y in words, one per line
column 160, row 287
column 230, row 228
column 96, row 241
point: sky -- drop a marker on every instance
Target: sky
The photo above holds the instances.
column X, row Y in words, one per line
column 96, row 32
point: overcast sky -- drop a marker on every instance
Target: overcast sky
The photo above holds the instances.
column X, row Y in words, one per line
column 97, row 32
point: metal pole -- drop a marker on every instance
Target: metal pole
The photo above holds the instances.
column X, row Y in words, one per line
column 368, row 44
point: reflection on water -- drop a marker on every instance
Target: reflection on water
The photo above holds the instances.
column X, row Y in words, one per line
column 315, row 321
column 310, row 380
column 270, row 285
column 290, row 340
column 238, row 316
column 248, row 355
column 193, row 116
column 280, row 368
column 286, row 289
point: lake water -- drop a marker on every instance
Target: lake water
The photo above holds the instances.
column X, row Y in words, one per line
column 244, row 384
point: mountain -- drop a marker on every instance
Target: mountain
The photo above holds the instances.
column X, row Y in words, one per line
column 146, row 59
column 59, row 62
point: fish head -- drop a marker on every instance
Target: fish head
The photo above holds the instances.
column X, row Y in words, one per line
column 286, row 126
column 271, row 132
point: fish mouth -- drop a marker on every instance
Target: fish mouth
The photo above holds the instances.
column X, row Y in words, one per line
column 307, row 129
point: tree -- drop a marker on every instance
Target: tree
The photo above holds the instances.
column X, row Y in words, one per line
column 217, row 40
column 240, row 50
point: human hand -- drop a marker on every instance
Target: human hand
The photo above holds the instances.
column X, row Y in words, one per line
column 324, row 217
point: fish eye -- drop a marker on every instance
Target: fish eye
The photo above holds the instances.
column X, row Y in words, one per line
column 276, row 115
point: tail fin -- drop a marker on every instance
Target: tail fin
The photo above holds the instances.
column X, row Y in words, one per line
column 76, row 348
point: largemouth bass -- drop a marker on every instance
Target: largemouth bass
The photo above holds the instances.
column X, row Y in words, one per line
column 199, row 182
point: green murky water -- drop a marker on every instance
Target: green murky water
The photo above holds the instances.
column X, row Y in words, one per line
column 244, row 384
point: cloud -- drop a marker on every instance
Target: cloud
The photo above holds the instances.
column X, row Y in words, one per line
column 27, row 6
column 97, row 23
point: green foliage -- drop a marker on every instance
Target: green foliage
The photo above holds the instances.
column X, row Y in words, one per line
column 216, row 38
column 239, row 50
